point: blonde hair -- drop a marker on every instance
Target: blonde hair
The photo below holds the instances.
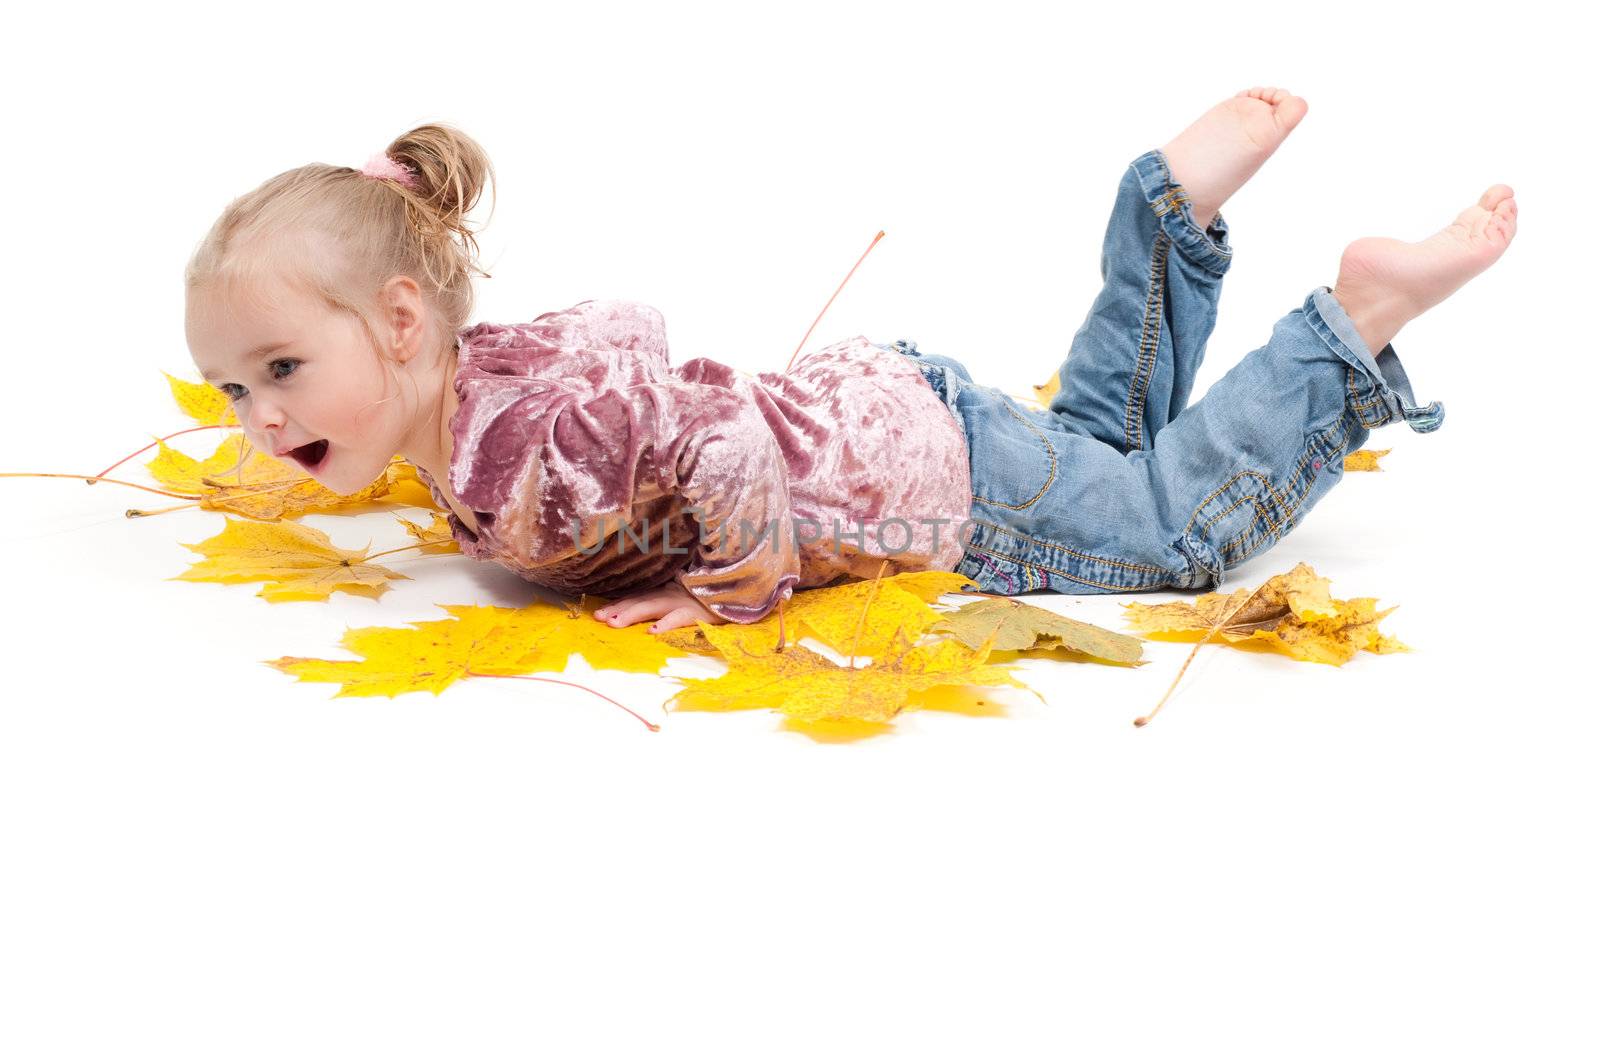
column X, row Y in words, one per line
column 337, row 234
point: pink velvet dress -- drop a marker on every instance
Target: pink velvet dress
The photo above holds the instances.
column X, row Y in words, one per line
column 595, row 466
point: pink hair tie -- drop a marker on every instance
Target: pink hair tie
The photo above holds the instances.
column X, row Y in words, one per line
column 383, row 167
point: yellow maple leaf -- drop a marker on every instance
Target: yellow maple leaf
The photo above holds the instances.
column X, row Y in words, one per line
column 427, row 655
column 807, row 687
column 1043, row 393
column 201, row 401
column 261, row 487
column 552, row 634
column 1292, row 613
column 1022, row 627
column 1364, row 460
column 841, row 618
column 180, row 472
column 278, row 501
column 406, row 488
column 436, row 538
column 931, row 585
column 295, row 562
column 478, row 640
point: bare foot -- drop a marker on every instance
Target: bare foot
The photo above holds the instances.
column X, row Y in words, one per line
column 1220, row 151
column 1384, row 283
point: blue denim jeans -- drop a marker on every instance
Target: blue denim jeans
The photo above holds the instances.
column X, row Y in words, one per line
column 1121, row 485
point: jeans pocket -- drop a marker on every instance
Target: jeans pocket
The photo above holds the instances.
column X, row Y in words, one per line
column 1014, row 462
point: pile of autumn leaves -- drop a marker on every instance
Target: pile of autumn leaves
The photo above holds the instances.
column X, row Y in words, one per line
column 897, row 649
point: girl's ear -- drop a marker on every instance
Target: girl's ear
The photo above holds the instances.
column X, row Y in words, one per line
column 404, row 317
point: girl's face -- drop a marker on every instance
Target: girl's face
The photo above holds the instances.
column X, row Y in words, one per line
column 305, row 382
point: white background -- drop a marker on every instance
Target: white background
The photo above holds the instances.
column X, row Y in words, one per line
column 206, row 860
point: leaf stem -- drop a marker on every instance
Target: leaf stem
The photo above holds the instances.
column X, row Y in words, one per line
column 1142, row 720
column 831, row 298
column 412, row 546
column 102, row 479
column 580, row 686
column 861, row 621
column 154, row 512
column 163, row 439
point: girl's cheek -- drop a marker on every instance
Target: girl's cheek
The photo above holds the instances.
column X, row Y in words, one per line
column 378, row 403
column 365, row 417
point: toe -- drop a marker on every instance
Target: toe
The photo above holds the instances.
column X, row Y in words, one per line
column 1493, row 197
column 1506, row 217
column 1289, row 111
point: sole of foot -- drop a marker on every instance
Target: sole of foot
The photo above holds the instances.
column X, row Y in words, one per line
column 1384, row 283
column 1223, row 148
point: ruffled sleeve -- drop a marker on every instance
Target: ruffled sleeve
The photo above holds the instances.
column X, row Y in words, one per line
column 568, row 458
column 596, row 461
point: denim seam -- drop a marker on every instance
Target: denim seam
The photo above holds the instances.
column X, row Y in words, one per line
column 1066, row 549
column 1192, row 240
column 1273, row 529
column 1332, row 451
column 1418, row 418
column 1353, row 382
column 1149, row 346
column 1262, row 517
column 1368, row 388
column 995, row 570
column 1055, row 548
column 969, row 557
column 1229, row 482
column 1279, row 499
column 1048, row 481
column 1080, row 579
column 1174, row 204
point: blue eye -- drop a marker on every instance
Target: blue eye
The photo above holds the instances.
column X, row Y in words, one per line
column 235, row 392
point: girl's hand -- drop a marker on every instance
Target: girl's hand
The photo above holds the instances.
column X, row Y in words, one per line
column 669, row 604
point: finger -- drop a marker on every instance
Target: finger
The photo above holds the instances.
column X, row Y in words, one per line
column 611, row 609
column 647, row 607
column 683, row 616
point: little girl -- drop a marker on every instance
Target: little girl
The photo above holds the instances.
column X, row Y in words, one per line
column 571, row 451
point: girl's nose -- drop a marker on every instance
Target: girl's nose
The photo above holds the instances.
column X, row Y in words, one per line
column 264, row 417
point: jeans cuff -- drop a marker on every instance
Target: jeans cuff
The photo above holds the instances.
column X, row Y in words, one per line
column 1205, row 243
column 1379, row 389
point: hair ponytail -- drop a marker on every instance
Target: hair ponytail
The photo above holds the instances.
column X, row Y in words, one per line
column 451, row 171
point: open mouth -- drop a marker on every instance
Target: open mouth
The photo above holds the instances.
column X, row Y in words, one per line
column 311, row 456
